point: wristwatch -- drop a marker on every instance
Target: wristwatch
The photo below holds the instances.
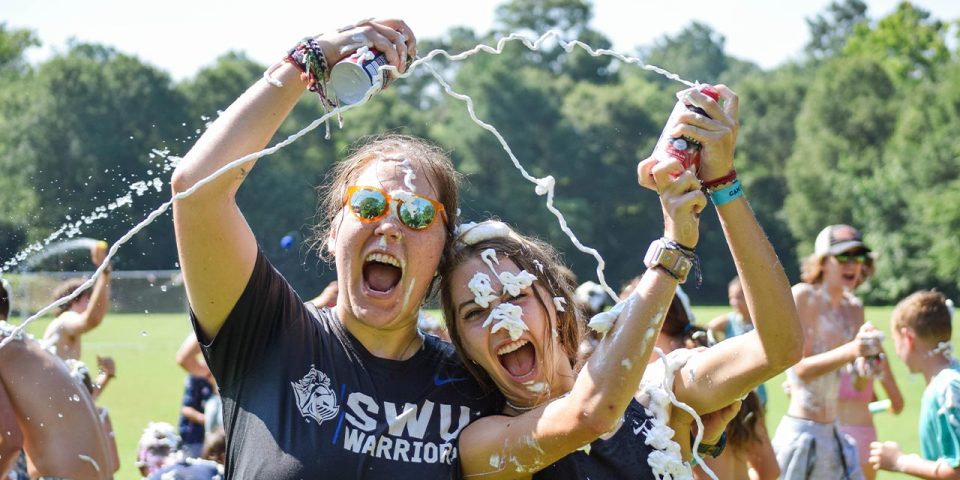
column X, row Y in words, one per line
column 668, row 257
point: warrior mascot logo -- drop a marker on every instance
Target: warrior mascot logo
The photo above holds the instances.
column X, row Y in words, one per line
column 315, row 398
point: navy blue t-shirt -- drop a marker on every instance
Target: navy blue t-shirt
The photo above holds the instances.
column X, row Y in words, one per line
column 196, row 390
column 623, row 456
column 303, row 399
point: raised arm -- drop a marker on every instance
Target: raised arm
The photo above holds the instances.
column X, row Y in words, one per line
column 92, row 317
column 730, row 369
column 216, row 246
column 605, row 386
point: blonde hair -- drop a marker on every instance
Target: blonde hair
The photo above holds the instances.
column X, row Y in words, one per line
column 926, row 313
column 811, row 269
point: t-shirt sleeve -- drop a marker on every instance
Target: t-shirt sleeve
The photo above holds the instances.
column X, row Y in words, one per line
column 266, row 308
column 948, row 421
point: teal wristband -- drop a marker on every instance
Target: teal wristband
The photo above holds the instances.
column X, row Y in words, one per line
column 727, row 194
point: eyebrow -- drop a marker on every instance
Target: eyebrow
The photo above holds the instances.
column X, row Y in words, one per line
column 464, row 304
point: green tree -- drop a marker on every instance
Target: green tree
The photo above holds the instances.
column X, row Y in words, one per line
column 85, row 134
column 696, row 53
column 909, row 43
column 839, row 145
column 830, row 30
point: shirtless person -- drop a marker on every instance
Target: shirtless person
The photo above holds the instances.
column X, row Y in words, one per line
column 808, row 441
column 45, row 412
column 81, row 314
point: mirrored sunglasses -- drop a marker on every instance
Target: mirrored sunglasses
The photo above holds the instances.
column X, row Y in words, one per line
column 848, row 257
column 370, row 204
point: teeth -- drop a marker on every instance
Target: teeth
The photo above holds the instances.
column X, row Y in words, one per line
column 383, row 258
column 511, row 347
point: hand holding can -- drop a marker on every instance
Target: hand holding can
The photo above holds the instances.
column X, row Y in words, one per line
column 698, row 118
column 362, row 50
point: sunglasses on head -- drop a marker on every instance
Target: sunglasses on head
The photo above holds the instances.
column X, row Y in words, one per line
column 370, row 204
column 847, row 257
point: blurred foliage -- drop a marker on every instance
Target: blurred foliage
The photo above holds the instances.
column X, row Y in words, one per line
column 861, row 130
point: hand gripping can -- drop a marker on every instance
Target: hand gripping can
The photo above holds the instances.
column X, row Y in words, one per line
column 685, row 150
column 352, row 77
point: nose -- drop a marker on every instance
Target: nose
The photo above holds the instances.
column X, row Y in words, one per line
column 389, row 226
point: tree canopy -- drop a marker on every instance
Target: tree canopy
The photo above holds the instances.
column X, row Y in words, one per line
column 861, row 131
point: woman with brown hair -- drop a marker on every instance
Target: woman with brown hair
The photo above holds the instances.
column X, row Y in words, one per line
column 352, row 391
column 507, row 310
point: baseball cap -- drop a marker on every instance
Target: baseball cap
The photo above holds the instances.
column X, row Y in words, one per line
column 837, row 239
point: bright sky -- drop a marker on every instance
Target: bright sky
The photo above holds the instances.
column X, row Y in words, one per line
column 182, row 36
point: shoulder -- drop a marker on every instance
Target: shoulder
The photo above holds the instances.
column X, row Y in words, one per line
column 803, row 291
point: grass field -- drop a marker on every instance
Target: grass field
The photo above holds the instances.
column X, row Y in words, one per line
column 149, row 384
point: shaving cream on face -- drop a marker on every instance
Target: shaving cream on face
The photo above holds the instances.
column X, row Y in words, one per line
column 507, row 317
column 482, row 290
column 514, row 284
column 408, row 174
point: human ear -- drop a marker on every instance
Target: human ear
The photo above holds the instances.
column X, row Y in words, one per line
column 332, row 236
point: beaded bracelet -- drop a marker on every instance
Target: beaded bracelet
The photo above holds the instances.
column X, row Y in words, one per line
column 727, row 194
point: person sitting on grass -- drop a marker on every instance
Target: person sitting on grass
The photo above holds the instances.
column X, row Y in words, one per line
column 921, row 329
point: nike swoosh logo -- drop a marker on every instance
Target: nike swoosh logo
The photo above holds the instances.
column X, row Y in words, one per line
column 443, row 381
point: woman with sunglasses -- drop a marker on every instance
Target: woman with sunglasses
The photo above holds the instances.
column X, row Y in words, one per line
column 353, row 391
column 509, row 310
column 808, row 441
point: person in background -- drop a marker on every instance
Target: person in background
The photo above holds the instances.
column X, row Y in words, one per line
column 735, row 323
column 159, row 446
column 921, row 326
column 82, row 314
column 808, row 440
column 853, row 409
column 196, row 392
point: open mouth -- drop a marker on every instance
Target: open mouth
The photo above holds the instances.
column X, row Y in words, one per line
column 850, row 277
column 518, row 358
column 381, row 272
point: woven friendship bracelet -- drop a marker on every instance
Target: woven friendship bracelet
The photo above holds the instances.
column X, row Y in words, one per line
column 308, row 57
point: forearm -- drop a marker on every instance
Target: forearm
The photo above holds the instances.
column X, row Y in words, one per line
column 809, row 368
column 616, row 367
column 765, row 286
column 99, row 301
column 922, row 468
column 193, row 415
column 893, row 391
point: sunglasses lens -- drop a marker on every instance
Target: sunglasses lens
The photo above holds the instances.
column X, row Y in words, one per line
column 850, row 257
column 368, row 204
column 417, row 214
